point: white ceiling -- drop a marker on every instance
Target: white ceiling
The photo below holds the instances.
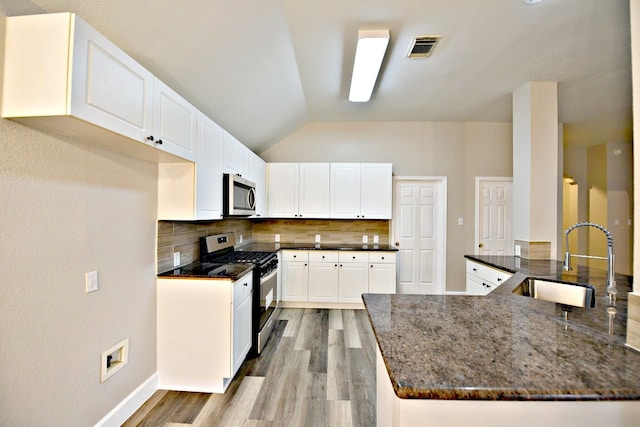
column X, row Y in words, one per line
column 264, row 68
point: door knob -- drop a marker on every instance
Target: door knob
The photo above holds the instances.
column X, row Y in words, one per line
column 481, row 245
column 398, row 244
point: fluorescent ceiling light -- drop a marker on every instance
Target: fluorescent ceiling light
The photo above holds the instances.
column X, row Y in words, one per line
column 372, row 44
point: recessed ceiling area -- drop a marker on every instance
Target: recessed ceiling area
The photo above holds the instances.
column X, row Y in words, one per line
column 262, row 69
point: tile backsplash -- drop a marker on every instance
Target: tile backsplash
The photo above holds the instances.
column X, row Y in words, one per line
column 330, row 230
column 183, row 236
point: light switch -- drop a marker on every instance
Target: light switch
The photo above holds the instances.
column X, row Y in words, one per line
column 460, row 221
column 91, row 281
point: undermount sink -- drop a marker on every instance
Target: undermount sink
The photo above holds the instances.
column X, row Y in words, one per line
column 576, row 295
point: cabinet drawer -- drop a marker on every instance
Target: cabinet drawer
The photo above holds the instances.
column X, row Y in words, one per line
column 295, row 256
column 382, row 257
column 486, row 273
column 323, row 256
column 351, row 256
column 242, row 287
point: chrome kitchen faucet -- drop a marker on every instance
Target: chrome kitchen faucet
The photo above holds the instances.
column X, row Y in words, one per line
column 611, row 283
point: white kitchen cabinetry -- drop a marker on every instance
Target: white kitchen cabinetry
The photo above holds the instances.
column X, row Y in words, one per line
column 361, row 190
column 242, row 315
column 174, row 122
column 61, row 74
column 258, row 175
column 482, row 279
column 236, row 156
column 295, row 276
column 203, row 327
column 299, row 190
column 353, row 276
column 323, row 276
column 382, row 272
column 188, row 191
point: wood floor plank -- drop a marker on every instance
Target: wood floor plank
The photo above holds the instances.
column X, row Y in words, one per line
column 176, row 407
column 259, row 366
column 235, row 414
column 338, row 413
column 294, row 318
column 145, row 409
column 337, row 377
column 351, row 334
column 335, row 319
column 362, row 387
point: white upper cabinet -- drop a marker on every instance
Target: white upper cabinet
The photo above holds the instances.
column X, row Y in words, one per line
column 236, row 156
column 361, row 190
column 61, row 74
column 283, row 184
column 174, row 122
column 258, row 174
column 313, row 196
column 298, row 190
column 375, row 190
column 188, row 191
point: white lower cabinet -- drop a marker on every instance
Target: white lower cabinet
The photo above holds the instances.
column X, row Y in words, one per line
column 314, row 278
column 323, row 276
column 295, row 276
column 353, row 279
column 382, row 273
column 204, row 332
column 482, row 279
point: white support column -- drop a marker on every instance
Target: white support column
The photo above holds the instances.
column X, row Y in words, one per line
column 537, row 177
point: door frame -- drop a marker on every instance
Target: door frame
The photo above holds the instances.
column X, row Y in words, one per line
column 442, row 223
column 476, row 231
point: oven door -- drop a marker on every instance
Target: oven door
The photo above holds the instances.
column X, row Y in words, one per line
column 268, row 297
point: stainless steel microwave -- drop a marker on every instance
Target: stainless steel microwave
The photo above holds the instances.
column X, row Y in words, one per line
column 239, row 196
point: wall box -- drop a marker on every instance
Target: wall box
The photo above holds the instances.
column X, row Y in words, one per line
column 113, row 359
column 61, row 75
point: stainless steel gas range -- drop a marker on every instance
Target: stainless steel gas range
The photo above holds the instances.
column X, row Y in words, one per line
column 220, row 248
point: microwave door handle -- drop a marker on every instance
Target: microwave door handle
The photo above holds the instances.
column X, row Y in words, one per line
column 251, row 198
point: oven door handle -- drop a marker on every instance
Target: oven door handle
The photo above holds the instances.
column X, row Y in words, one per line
column 269, row 276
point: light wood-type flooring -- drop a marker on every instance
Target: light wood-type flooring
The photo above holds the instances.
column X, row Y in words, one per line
column 317, row 369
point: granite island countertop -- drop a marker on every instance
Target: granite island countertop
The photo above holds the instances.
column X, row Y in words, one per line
column 505, row 346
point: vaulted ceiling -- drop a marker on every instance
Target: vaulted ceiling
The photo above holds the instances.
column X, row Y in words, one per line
column 264, row 68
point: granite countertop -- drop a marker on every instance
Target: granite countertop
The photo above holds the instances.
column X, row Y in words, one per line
column 505, row 346
column 317, row 246
column 208, row 270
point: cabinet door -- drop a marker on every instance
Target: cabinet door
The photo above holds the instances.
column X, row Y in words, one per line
column 323, row 282
column 314, row 190
column 236, row 156
column 353, row 282
column 174, row 122
column 258, row 174
column 375, row 190
column 295, row 281
column 108, row 87
column 242, row 315
column 382, row 278
column 283, row 190
column 209, row 166
column 345, row 190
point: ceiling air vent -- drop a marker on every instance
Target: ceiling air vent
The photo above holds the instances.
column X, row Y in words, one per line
column 422, row 46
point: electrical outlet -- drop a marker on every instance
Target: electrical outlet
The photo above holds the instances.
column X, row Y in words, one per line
column 460, row 221
column 277, row 238
column 317, row 238
column 240, row 238
column 91, row 281
column 365, row 239
column 517, row 250
column 176, row 259
column 376, row 239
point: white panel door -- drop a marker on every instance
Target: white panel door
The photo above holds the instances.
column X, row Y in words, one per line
column 419, row 229
column 493, row 213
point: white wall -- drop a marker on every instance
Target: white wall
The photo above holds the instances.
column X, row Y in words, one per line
column 66, row 209
column 460, row 151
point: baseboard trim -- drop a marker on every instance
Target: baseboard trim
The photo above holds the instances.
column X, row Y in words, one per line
column 455, row 293
column 130, row 404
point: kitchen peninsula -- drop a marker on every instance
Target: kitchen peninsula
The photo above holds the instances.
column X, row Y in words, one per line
column 505, row 359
